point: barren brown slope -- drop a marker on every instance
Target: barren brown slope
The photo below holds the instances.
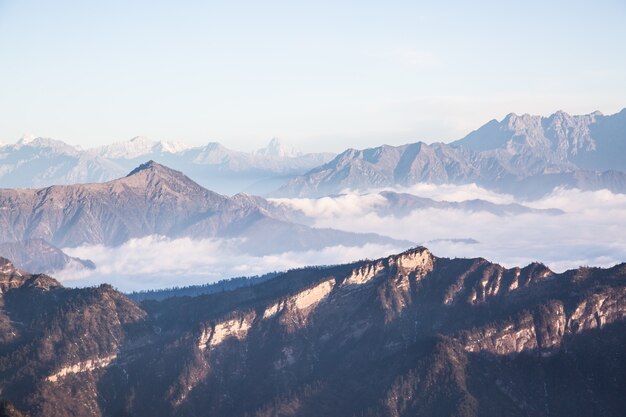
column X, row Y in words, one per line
column 154, row 199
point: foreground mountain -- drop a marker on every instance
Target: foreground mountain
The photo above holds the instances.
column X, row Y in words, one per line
column 523, row 155
column 156, row 200
column 409, row 334
column 39, row 256
column 41, row 162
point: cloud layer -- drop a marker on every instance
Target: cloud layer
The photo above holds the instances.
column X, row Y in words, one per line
column 160, row 262
column 591, row 232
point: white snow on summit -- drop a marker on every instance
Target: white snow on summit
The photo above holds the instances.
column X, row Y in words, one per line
column 278, row 149
column 139, row 146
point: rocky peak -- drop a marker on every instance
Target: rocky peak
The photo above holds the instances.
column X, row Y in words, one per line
column 418, row 258
column 42, row 282
column 6, row 267
column 522, row 124
column 278, row 149
column 149, row 166
column 11, row 277
column 159, row 181
column 152, row 170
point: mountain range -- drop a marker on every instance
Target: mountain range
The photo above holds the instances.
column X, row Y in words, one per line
column 525, row 155
column 156, row 200
column 410, row 334
column 41, row 162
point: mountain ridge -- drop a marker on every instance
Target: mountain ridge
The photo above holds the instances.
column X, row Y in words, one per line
column 406, row 334
column 37, row 162
column 154, row 199
column 518, row 155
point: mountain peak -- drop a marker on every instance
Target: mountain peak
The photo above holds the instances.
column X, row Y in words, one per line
column 7, row 267
column 27, row 138
column 151, row 174
column 278, row 149
column 151, row 165
column 140, row 146
column 55, row 145
column 153, row 168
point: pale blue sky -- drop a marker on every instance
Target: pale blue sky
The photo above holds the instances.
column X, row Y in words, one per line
column 319, row 75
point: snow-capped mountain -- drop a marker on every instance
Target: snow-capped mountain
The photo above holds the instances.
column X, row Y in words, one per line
column 37, row 162
column 278, row 149
column 139, row 146
column 34, row 162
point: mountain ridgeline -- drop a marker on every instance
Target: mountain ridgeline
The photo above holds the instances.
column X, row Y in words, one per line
column 406, row 335
column 41, row 162
column 522, row 155
column 156, row 200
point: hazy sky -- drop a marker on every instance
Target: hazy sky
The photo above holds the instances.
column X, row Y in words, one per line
column 317, row 74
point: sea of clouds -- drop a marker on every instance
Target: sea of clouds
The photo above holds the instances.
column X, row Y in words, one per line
column 590, row 232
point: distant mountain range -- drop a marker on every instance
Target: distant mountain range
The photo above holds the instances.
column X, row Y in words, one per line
column 410, row 334
column 402, row 204
column 41, row 162
column 522, row 155
column 156, row 200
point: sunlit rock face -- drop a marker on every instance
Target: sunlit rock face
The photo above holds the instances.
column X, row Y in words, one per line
column 522, row 154
column 404, row 335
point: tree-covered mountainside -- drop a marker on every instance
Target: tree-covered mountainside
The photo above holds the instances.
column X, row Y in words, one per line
column 409, row 334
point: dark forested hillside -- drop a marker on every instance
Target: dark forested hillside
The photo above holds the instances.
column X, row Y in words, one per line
column 406, row 335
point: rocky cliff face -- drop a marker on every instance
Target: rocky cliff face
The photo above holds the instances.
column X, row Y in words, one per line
column 524, row 155
column 409, row 334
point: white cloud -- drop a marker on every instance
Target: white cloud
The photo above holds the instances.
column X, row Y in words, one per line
column 450, row 192
column 591, row 232
column 158, row 262
column 350, row 204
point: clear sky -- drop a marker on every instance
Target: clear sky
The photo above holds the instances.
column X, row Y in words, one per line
column 318, row 74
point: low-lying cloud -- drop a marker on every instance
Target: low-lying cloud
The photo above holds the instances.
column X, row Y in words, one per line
column 160, row 262
column 590, row 232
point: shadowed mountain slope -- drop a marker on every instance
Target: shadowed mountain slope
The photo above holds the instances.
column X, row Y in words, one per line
column 409, row 334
